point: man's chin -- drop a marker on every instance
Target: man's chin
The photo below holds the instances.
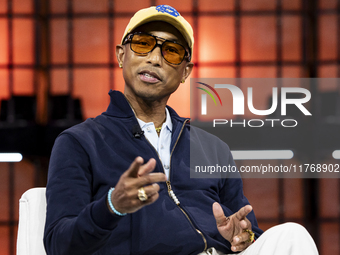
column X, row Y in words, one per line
column 152, row 96
column 147, row 93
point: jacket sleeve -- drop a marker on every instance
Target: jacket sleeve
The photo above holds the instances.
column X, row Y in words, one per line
column 75, row 224
column 232, row 197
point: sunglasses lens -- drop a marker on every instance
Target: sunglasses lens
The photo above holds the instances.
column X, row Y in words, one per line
column 142, row 43
column 173, row 52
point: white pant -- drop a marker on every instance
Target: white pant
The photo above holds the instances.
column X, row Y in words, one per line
column 284, row 239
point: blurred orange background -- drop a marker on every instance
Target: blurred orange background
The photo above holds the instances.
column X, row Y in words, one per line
column 67, row 47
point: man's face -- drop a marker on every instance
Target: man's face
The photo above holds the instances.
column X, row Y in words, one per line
column 150, row 77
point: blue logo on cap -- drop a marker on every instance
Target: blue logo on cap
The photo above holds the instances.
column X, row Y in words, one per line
column 167, row 9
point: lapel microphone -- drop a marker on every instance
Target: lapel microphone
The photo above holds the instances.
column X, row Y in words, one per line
column 137, row 131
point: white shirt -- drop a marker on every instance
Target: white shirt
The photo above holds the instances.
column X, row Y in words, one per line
column 162, row 142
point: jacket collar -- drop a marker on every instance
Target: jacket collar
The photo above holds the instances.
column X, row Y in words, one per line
column 120, row 107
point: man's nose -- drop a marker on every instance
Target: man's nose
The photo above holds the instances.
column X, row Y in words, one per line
column 155, row 56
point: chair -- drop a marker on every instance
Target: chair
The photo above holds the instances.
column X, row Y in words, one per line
column 24, row 109
column 32, row 216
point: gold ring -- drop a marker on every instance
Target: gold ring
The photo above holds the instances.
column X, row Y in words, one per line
column 142, row 194
column 251, row 235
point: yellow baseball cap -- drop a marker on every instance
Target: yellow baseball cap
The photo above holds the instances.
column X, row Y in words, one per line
column 164, row 13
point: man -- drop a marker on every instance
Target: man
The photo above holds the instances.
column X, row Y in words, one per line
column 120, row 183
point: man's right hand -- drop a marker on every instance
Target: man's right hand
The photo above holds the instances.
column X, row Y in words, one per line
column 125, row 195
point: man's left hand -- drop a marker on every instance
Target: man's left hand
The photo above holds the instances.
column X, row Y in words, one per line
column 233, row 228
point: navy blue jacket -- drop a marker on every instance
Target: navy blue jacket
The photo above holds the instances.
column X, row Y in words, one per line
column 89, row 158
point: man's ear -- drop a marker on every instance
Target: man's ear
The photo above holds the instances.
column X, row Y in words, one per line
column 187, row 70
column 120, row 51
